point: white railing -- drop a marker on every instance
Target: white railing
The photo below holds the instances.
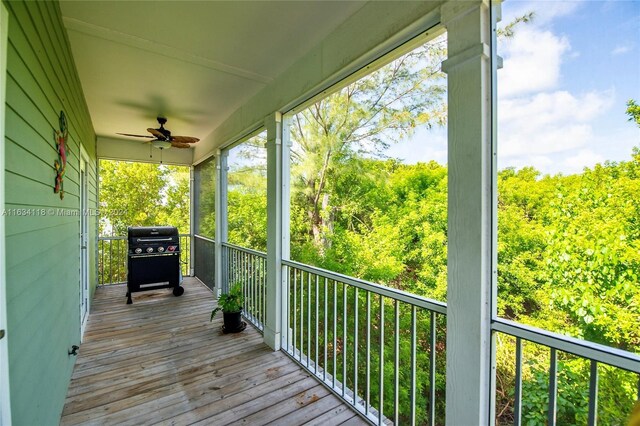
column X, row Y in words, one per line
column 248, row 267
column 379, row 349
column 112, row 260
column 559, row 348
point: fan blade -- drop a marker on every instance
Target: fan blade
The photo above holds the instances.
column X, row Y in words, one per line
column 135, row 136
column 180, row 145
column 184, row 139
column 156, row 133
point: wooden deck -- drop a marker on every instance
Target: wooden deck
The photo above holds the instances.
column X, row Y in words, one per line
column 160, row 360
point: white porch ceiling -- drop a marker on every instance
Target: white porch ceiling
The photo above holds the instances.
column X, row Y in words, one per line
column 193, row 61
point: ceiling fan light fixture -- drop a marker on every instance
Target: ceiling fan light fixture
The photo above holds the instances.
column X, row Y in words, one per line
column 162, row 138
column 161, row 144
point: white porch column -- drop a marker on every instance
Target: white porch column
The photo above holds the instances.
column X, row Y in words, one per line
column 277, row 224
column 222, row 224
column 192, row 220
column 471, row 225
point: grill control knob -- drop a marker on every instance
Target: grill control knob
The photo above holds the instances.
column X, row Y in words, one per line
column 171, row 248
column 149, row 249
column 160, row 249
column 138, row 250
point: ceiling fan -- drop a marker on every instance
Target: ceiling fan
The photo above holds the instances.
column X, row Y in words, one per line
column 163, row 139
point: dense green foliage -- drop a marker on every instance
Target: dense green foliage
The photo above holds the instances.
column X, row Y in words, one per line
column 568, row 258
column 247, row 196
column 204, row 190
column 142, row 194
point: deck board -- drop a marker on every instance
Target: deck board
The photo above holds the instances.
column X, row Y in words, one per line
column 161, row 361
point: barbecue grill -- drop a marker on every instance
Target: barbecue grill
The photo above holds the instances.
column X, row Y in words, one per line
column 154, row 259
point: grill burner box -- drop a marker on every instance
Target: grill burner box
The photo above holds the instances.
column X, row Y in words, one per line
column 153, row 259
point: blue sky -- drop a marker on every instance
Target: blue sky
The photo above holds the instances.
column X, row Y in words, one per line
column 562, row 92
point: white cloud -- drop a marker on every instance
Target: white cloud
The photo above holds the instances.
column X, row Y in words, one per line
column 539, row 123
column 620, row 50
column 561, row 105
column 532, row 60
column 544, row 124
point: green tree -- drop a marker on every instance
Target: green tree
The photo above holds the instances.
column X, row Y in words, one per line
column 633, row 111
column 178, row 202
column 247, row 194
column 362, row 119
column 508, row 31
column 205, row 192
column 142, row 194
column 593, row 256
column 130, row 195
column 522, row 212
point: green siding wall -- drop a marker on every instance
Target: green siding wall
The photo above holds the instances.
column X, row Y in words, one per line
column 43, row 251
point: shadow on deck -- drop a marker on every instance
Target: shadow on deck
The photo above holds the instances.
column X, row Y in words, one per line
column 160, row 360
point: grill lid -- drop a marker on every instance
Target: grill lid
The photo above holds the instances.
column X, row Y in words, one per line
column 153, row 240
column 152, row 231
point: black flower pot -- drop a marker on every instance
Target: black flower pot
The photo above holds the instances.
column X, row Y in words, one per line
column 233, row 322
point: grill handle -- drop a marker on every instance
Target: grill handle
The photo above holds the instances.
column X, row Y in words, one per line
column 153, row 240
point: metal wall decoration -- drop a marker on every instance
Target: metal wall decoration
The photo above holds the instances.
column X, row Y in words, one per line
column 60, row 164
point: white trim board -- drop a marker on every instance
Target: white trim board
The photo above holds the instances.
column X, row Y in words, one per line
column 84, row 239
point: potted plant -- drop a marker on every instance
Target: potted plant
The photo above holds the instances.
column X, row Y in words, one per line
column 231, row 306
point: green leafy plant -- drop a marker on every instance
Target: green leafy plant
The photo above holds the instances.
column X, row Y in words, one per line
column 230, row 302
